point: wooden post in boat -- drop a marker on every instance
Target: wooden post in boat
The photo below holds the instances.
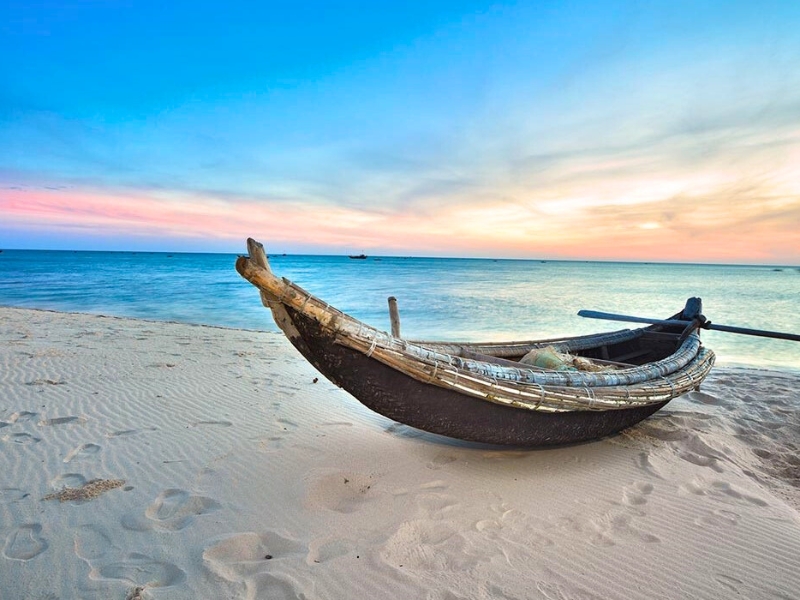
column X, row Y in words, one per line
column 394, row 316
column 257, row 255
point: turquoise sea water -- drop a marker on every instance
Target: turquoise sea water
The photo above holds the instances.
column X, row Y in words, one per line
column 450, row 299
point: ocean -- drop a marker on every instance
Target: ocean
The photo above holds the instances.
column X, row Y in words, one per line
column 439, row 298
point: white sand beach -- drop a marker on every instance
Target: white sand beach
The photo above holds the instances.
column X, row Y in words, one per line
column 156, row 460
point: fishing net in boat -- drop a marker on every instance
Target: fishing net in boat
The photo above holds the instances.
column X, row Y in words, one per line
column 550, row 358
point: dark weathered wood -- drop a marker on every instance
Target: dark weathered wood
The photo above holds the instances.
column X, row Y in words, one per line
column 446, row 412
column 692, row 310
column 257, row 254
column 394, row 316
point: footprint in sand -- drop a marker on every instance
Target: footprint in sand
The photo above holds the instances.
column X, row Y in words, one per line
column 695, row 487
column 84, row 451
column 724, row 488
column 25, row 542
column 636, row 494
column 140, row 569
column 721, row 490
column 324, row 549
column 430, row 547
column 67, row 480
column 643, row 462
column 512, row 524
column 718, row 518
column 93, row 543
column 435, row 504
column 176, row 509
column 701, row 461
column 342, row 492
column 135, row 522
column 619, row 523
column 21, row 438
column 22, row 416
column 245, row 555
column 699, row 453
column 614, row 527
column 441, row 460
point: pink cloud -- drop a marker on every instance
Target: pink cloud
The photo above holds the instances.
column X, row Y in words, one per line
column 716, row 228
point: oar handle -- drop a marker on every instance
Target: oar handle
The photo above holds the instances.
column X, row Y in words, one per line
column 593, row 314
column 758, row 332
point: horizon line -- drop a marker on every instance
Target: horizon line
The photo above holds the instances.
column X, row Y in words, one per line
column 425, row 257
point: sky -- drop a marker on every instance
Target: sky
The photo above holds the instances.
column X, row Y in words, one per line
column 647, row 131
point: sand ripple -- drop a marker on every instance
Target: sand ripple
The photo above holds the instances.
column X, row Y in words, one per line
column 200, row 462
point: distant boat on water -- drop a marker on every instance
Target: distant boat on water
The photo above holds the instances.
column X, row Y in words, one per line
column 358, row 256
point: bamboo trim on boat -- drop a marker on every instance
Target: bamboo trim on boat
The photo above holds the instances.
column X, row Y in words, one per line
column 627, row 376
column 537, row 396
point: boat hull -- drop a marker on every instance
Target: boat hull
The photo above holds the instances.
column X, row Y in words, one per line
column 442, row 411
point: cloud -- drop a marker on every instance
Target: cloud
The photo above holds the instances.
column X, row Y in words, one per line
column 737, row 222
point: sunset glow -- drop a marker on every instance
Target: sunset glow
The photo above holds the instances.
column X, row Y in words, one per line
column 602, row 131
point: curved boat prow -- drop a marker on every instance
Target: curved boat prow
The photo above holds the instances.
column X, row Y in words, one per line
column 255, row 269
column 257, row 258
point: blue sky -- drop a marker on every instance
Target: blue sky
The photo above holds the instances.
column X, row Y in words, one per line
column 538, row 129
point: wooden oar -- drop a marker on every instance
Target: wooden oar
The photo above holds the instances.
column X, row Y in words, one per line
column 592, row 314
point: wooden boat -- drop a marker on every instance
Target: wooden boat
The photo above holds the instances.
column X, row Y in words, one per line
column 480, row 392
column 358, row 256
